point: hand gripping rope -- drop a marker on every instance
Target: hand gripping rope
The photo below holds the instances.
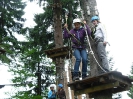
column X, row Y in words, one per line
column 66, row 17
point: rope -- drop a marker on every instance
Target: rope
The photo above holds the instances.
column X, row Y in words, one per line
column 66, row 17
column 91, row 51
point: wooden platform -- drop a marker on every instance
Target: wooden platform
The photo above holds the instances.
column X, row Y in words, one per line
column 2, row 51
column 58, row 52
column 112, row 81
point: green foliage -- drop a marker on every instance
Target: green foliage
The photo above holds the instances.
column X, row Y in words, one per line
column 32, row 62
column 111, row 61
column 26, row 95
column 11, row 12
column 130, row 92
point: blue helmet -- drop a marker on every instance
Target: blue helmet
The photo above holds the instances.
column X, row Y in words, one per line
column 94, row 18
column 60, row 85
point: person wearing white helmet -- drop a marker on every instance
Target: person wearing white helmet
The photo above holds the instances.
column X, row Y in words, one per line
column 52, row 93
column 61, row 93
column 77, row 35
column 99, row 35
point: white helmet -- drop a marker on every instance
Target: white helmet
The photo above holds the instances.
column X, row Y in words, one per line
column 51, row 86
column 76, row 20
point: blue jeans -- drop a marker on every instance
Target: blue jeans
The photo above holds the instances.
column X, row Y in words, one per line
column 80, row 54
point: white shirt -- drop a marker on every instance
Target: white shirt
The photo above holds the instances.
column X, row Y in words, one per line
column 101, row 32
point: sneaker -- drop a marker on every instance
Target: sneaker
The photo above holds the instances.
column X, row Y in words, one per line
column 84, row 77
column 107, row 70
column 75, row 78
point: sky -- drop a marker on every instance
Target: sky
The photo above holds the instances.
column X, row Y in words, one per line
column 117, row 17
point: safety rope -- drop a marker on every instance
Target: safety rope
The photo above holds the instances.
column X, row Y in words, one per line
column 66, row 17
column 91, row 51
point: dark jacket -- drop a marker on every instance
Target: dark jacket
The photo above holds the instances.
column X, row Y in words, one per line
column 61, row 94
column 79, row 34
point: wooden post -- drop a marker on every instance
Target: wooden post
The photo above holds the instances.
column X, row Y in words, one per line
column 73, row 62
column 71, row 91
column 65, row 85
column 89, row 8
column 80, row 96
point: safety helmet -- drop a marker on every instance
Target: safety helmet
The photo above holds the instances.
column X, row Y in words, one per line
column 60, row 85
column 76, row 20
column 51, row 86
column 94, row 18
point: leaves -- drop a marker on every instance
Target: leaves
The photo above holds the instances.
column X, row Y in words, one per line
column 130, row 92
column 30, row 63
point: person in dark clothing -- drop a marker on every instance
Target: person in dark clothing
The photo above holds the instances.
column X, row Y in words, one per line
column 77, row 34
column 61, row 93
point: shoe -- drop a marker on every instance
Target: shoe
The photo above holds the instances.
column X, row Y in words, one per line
column 75, row 78
column 107, row 70
column 83, row 77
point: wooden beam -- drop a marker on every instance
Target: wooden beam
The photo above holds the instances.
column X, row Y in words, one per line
column 97, row 88
column 116, row 90
column 120, row 79
column 58, row 54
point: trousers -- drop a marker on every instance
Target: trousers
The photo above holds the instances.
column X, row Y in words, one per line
column 80, row 54
column 102, row 54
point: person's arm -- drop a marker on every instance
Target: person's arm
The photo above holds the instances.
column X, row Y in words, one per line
column 104, row 33
column 65, row 32
column 87, row 28
column 49, row 94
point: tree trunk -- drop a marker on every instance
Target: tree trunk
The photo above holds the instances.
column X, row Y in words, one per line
column 94, row 68
column 57, row 24
column 58, row 42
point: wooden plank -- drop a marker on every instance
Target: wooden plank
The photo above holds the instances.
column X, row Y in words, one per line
column 102, row 79
column 105, row 75
column 97, row 88
column 119, row 89
column 57, row 49
column 85, row 85
column 120, row 78
column 58, row 54
column 112, row 90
